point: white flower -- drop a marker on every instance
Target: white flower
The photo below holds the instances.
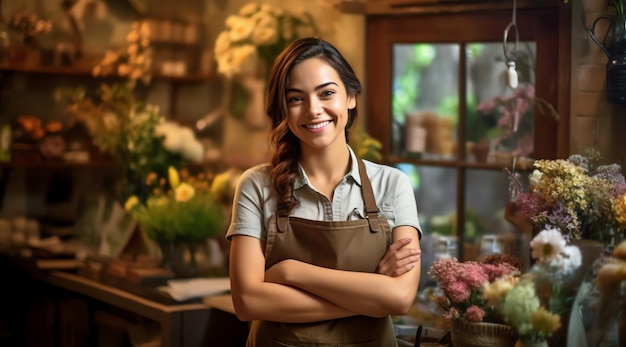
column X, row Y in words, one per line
column 535, row 177
column 264, row 36
column 547, row 245
column 241, row 29
column 243, row 58
column 222, row 43
column 570, row 259
column 194, row 151
column 180, row 140
column 249, row 9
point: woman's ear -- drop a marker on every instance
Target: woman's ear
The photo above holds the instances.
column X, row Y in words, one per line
column 351, row 101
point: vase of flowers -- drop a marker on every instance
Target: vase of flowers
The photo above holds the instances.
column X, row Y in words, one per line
column 533, row 303
column 474, row 321
column 246, row 48
column 181, row 212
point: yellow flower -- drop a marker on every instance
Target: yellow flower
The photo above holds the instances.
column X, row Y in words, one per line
column 544, row 322
column 131, row 203
column 173, row 176
column 619, row 207
column 493, row 292
column 184, row 192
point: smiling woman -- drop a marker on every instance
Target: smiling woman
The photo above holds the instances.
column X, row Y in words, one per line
column 313, row 230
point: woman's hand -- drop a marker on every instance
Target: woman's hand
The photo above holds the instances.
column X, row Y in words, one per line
column 399, row 260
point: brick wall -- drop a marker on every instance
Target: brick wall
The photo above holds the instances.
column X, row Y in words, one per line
column 593, row 121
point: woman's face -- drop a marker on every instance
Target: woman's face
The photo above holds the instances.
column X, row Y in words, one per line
column 317, row 104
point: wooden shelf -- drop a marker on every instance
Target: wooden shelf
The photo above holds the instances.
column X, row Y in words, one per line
column 55, row 164
column 73, row 71
column 386, row 7
column 455, row 164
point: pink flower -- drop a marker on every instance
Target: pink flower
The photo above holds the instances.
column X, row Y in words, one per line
column 474, row 314
column 473, row 274
column 458, row 292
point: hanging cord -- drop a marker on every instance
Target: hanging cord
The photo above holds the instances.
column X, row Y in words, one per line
column 510, row 58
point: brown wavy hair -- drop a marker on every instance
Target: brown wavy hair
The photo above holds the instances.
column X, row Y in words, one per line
column 286, row 145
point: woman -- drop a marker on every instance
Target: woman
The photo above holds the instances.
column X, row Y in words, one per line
column 313, row 261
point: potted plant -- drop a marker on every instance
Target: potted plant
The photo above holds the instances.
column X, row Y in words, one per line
column 181, row 212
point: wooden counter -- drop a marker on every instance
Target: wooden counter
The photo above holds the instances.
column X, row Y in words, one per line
column 181, row 325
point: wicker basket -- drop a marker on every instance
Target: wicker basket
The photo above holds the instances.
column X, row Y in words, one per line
column 468, row 334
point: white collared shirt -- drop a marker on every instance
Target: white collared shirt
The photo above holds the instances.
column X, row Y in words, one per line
column 254, row 202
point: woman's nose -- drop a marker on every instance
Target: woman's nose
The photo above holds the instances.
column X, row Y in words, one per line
column 315, row 107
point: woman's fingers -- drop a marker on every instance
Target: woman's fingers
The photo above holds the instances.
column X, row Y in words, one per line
column 399, row 260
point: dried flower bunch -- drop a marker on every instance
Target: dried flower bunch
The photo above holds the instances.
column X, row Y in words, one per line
column 256, row 34
column 29, row 25
column 133, row 61
column 180, row 208
column 462, row 283
column 512, row 116
column 581, row 198
column 531, row 303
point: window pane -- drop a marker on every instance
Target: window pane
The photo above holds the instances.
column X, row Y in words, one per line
column 435, row 192
column 486, row 229
column 425, row 100
column 500, row 119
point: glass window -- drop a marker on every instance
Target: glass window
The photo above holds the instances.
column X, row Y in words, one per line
column 425, row 100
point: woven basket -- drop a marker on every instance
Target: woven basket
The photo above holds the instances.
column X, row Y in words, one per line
column 468, row 334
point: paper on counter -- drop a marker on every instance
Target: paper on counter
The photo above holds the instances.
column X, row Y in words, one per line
column 185, row 289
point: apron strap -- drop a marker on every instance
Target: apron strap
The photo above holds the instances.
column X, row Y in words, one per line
column 371, row 210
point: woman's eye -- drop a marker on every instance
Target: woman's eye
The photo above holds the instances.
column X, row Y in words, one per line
column 293, row 99
column 327, row 93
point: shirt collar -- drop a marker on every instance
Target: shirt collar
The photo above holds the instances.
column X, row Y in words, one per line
column 303, row 180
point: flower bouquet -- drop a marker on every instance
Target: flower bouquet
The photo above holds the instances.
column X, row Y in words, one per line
column 580, row 197
column 255, row 35
column 532, row 304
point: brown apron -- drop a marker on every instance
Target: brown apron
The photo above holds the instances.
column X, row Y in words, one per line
column 351, row 245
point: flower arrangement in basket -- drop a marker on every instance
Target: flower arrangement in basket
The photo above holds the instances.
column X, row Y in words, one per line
column 533, row 302
column 255, row 35
column 580, row 197
column 461, row 285
column 474, row 320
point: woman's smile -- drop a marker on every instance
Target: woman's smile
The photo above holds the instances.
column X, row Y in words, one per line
column 317, row 126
